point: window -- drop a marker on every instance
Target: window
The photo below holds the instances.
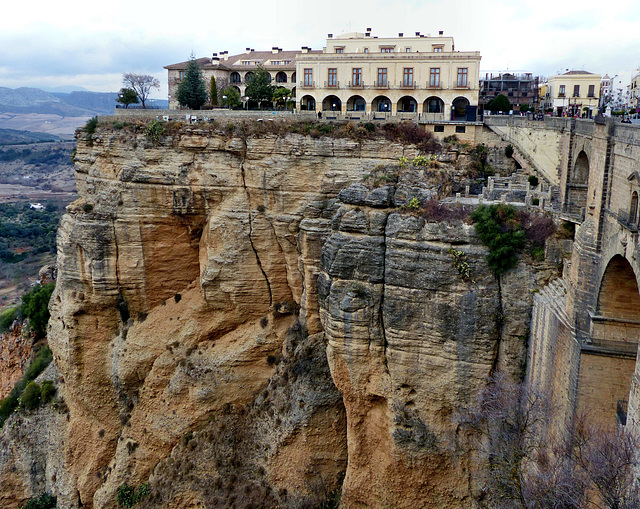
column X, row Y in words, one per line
column 407, row 50
column 561, row 92
column 181, row 75
column 356, row 77
column 407, row 77
column 308, row 77
column 460, row 129
column 332, row 78
column 633, row 211
column 462, row 76
column 576, row 90
column 592, row 91
column 386, row 50
column 366, row 50
column 434, row 77
column 382, row 76
column 339, row 50
column 437, row 49
column 438, row 128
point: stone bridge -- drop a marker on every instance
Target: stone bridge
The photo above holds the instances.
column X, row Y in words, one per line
column 585, row 327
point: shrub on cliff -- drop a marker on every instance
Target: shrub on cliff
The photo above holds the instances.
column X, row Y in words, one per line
column 35, row 307
column 44, row 501
column 499, row 230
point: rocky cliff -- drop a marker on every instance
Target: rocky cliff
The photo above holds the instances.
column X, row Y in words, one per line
column 244, row 317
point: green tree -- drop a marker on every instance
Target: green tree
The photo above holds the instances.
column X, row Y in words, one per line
column 127, row 96
column 192, row 92
column 214, row 92
column 260, row 89
column 230, row 97
column 499, row 103
column 280, row 95
column 35, row 306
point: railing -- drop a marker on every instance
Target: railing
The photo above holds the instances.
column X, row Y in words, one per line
column 404, row 85
column 627, row 221
column 307, row 84
column 358, row 84
column 379, row 84
column 433, row 87
column 332, row 84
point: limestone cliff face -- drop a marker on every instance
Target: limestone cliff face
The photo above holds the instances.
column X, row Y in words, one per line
column 186, row 268
column 411, row 341
column 176, row 269
column 15, row 352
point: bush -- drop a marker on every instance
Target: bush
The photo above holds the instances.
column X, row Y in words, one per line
column 44, row 501
column 499, row 230
column 155, row 131
column 508, row 151
column 30, row 398
column 533, row 180
column 38, row 365
column 48, row 391
column 7, row 318
column 128, row 496
column 35, row 307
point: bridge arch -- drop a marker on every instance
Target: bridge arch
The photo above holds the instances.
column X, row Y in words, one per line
column 577, row 187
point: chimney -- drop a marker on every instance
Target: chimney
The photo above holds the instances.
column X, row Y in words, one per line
column 441, row 32
column 400, row 34
column 224, row 55
column 305, row 49
column 368, row 30
column 274, row 49
column 368, row 34
column 248, row 50
column 329, row 36
column 417, row 34
column 215, row 59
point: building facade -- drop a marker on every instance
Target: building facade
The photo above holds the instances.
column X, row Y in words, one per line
column 574, row 94
column 358, row 72
column 634, row 91
column 520, row 88
column 237, row 70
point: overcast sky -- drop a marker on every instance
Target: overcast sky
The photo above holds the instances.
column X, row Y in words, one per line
column 87, row 44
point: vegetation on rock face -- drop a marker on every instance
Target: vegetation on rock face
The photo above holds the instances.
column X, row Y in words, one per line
column 192, row 91
column 9, row 404
column 128, row 496
column 44, row 501
column 508, row 150
column 35, row 307
column 499, row 229
column 155, row 131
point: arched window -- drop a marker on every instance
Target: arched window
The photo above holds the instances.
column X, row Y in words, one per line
column 633, row 210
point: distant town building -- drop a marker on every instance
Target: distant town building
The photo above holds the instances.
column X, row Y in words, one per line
column 634, row 90
column 520, row 88
column 359, row 72
column 574, row 93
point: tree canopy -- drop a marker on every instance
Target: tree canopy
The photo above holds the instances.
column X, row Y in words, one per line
column 230, row 97
column 280, row 95
column 259, row 88
column 141, row 84
column 214, row 92
column 499, row 103
column 192, row 91
column 127, row 96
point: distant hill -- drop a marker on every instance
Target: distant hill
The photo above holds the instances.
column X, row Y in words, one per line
column 74, row 104
column 14, row 137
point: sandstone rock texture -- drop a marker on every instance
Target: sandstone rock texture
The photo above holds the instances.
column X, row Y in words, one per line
column 186, row 267
column 15, row 352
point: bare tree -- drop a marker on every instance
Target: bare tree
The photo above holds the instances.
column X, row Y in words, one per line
column 141, row 84
column 589, row 466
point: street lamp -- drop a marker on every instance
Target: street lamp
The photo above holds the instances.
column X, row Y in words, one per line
column 224, row 101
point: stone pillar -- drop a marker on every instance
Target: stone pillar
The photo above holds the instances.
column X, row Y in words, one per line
column 466, row 191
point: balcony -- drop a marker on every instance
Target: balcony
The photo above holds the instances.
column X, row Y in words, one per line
column 627, row 220
column 561, row 94
column 407, row 85
column 357, row 84
column 437, row 86
column 381, row 84
column 307, row 84
column 332, row 84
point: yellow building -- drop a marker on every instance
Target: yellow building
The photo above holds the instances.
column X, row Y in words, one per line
column 358, row 72
column 574, row 93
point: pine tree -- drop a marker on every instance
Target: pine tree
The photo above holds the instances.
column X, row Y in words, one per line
column 260, row 89
column 214, row 92
column 192, row 92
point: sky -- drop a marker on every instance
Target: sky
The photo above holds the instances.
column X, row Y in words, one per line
column 75, row 44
